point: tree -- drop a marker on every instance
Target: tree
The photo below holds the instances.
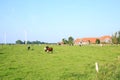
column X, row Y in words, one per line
column 115, row 38
column 36, row 42
column 19, row 42
column 29, row 42
column 64, row 41
column 89, row 41
column 71, row 40
column 119, row 37
column 97, row 41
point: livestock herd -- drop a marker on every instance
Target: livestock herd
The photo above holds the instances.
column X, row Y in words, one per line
column 46, row 49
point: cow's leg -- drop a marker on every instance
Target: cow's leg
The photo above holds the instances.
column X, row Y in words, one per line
column 47, row 50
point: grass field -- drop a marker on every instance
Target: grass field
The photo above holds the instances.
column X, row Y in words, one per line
column 65, row 63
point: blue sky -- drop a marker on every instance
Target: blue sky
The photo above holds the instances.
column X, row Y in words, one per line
column 53, row 20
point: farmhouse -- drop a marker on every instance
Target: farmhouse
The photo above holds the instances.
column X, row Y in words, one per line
column 106, row 39
column 103, row 39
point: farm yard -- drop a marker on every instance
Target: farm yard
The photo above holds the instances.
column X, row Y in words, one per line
column 65, row 63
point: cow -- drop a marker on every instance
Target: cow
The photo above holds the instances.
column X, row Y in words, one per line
column 28, row 47
column 48, row 49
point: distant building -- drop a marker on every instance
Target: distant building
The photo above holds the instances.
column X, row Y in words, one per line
column 103, row 39
column 106, row 39
column 60, row 43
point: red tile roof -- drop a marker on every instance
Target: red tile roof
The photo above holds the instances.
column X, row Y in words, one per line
column 105, row 37
column 92, row 39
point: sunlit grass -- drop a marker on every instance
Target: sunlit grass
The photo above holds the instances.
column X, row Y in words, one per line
column 65, row 63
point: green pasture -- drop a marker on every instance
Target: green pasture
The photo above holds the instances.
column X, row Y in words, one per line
column 65, row 63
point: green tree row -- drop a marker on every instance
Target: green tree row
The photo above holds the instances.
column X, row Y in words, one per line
column 30, row 42
column 70, row 40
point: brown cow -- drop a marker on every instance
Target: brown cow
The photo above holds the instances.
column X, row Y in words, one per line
column 48, row 49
